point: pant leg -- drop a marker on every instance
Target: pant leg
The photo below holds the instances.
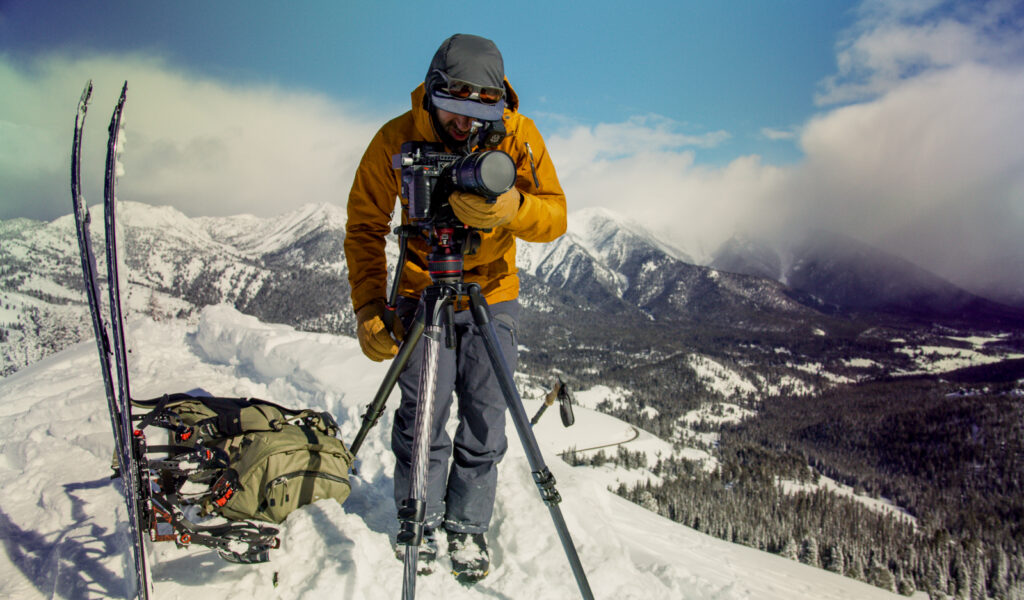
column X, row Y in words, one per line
column 403, row 429
column 480, row 442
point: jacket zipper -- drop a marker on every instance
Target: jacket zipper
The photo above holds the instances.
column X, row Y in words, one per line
column 529, row 151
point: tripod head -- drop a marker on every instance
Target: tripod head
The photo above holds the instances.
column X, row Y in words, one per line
column 449, row 243
column 447, row 250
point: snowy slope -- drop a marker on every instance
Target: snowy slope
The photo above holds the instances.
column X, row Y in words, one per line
column 260, row 236
column 62, row 539
column 610, row 235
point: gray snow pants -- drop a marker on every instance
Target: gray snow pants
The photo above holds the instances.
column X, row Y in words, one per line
column 460, row 496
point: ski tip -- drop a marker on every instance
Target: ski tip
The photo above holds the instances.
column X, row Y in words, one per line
column 86, row 94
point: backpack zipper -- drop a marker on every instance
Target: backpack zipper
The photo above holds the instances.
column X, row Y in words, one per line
column 283, row 478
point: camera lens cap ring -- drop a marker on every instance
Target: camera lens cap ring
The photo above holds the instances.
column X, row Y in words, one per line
column 493, row 171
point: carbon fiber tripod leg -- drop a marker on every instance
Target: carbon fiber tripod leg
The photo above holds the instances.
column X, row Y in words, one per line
column 541, row 475
column 411, row 513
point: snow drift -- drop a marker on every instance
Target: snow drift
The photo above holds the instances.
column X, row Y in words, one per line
column 62, row 520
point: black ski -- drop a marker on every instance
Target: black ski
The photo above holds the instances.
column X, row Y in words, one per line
column 120, row 411
column 132, row 452
column 92, row 286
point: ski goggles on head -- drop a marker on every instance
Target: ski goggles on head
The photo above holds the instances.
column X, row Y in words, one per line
column 466, row 90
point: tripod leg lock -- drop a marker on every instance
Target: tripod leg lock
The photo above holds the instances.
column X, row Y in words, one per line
column 411, row 514
column 370, row 417
column 546, row 484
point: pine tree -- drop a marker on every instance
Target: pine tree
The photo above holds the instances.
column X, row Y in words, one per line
column 647, row 501
column 979, row 590
column 836, row 561
column 879, row 575
column 855, row 568
column 809, row 553
column 961, row 578
column 938, row 577
column 906, row 587
column 790, row 550
column 998, row 577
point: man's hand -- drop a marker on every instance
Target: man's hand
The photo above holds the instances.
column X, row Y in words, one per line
column 375, row 340
column 475, row 211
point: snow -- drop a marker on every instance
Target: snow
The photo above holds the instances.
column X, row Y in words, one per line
column 718, row 414
column 557, row 259
column 787, row 384
column 817, row 369
column 591, row 222
column 601, row 393
column 262, row 236
column 720, row 378
column 940, row 359
column 17, row 303
column 61, row 538
column 882, row 505
column 35, row 283
column 978, row 341
column 860, row 363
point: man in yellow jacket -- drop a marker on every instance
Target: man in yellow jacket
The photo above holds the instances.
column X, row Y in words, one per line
column 465, row 88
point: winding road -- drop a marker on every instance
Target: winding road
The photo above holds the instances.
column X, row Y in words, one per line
column 636, row 434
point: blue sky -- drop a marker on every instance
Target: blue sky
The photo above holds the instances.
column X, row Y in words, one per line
column 737, row 66
column 897, row 122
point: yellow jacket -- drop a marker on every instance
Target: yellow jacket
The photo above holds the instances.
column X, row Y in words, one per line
column 541, row 216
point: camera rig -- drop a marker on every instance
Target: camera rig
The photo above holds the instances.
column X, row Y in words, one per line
column 430, row 175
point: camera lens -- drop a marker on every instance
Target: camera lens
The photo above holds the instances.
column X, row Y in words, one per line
column 489, row 173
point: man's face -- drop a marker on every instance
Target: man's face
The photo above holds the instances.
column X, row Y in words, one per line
column 456, row 127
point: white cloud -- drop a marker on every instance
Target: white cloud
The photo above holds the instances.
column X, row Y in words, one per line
column 929, row 162
column 777, row 134
column 641, row 170
column 897, row 40
column 932, row 169
column 204, row 146
column 587, row 146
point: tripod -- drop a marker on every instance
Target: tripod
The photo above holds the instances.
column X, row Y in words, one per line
column 433, row 317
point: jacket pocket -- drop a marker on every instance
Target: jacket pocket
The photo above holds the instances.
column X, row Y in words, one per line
column 506, row 324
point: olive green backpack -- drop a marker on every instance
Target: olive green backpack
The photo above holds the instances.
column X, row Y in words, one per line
column 264, row 460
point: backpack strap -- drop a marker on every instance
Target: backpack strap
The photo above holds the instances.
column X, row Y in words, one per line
column 232, row 416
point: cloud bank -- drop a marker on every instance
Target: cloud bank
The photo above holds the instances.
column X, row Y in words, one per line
column 204, row 146
column 917, row 149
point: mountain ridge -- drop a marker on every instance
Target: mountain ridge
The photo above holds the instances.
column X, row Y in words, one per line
column 291, row 269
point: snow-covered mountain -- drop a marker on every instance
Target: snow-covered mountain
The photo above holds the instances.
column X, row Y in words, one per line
column 291, row 269
column 306, row 236
column 616, row 264
column 847, row 274
column 605, row 274
column 287, row 269
column 62, row 538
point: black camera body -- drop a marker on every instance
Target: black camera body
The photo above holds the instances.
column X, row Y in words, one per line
column 430, row 174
